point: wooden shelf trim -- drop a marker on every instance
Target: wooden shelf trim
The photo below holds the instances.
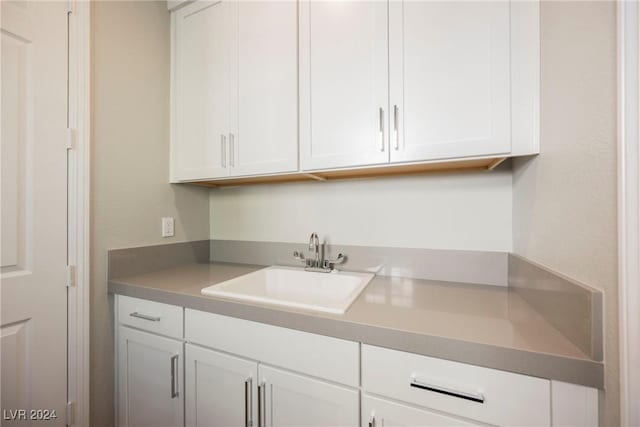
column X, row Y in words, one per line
column 368, row 172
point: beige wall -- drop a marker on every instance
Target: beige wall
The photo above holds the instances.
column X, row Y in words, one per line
column 470, row 211
column 564, row 201
column 564, row 207
column 130, row 76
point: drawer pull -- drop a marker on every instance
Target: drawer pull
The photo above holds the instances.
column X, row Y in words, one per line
column 381, row 129
column 145, row 316
column 467, row 395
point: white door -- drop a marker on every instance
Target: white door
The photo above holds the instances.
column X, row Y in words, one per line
column 292, row 400
column 203, row 87
column 449, row 79
column 378, row 412
column 150, row 380
column 221, row 389
column 343, row 83
column 265, row 139
column 34, row 211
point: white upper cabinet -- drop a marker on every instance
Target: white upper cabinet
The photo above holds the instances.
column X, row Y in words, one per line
column 449, row 79
column 202, row 61
column 266, row 139
column 235, row 89
column 343, row 83
column 273, row 87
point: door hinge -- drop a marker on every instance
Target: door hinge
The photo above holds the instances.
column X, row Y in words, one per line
column 71, row 139
column 71, row 276
column 70, row 413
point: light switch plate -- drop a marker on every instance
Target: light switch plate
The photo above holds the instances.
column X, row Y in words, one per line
column 167, row 226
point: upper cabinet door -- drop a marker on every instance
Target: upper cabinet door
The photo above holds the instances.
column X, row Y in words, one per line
column 203, row 57
column 343, row 83
column 266, row 132
column 449, row 79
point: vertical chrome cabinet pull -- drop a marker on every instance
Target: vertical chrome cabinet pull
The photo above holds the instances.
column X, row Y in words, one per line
column 396, row 136
column 223, row 151
column 145, row 316
column 261, row 420
column 248, row 402
column 262, row 407
column 232, row 150
column 174, row 377
column 372, row 421
column 381, row 130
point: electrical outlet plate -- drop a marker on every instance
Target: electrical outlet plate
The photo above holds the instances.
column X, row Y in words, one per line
column 167, row 226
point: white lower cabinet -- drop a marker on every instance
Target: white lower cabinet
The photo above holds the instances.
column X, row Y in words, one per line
column 292, row 400
column 484, row 395
column 378, row 412
column 150, row 381
column 220, row 371
column 220, row 389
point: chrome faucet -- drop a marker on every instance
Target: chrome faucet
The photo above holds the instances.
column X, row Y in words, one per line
column 314, row 245
column 318, row 263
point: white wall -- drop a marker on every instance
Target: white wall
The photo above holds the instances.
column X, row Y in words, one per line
column 130, row 165
column 564, row 201
column 470, row 211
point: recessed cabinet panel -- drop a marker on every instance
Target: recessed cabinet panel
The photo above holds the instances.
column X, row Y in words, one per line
column 449, row 79
column 150, row 380
column 266, row 136
column 203, row 53
column 343, row 83
column 295, row 400
column 220, row 388
column 382, row 412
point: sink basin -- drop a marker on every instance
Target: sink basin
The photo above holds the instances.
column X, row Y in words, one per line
column 293, row 287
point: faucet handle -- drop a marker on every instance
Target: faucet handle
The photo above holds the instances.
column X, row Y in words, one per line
column 339, row 259
column 298, row 255
column 329, row 263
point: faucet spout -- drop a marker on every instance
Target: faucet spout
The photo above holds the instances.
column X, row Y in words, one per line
column 314, row 245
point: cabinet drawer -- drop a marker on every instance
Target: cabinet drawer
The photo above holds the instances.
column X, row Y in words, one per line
column 323, row 357
column 476, row 393
column 156, row 317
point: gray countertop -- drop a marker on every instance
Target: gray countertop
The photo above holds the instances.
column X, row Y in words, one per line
column 483, row 325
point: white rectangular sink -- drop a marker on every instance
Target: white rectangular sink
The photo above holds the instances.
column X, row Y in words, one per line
column 293, row 287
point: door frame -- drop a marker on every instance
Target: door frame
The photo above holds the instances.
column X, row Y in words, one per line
column 629, row 208
column 78, row 208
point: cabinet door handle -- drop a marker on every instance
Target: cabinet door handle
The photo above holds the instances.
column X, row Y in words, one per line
column 174, row 377
column 223, row 151
column 262, row 419
column 396, row 136
column 145, row 316
column 381, row 128
column 232, row 150
column 467, row 395
column 372, row 421
column 248, row 402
